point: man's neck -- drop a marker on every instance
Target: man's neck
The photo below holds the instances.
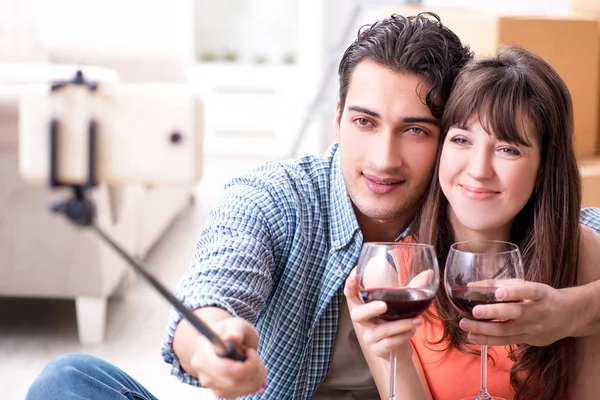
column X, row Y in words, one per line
column 382, row 231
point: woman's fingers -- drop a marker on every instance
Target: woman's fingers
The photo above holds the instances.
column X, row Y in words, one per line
column 383, row 347
column 391, row 329
column 364, row 313
column 423, row 279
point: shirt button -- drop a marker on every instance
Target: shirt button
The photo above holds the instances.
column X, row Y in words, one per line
column 336, row 243
column 340, row 273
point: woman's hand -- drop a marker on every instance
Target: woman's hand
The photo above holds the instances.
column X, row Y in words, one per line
column 377, row 335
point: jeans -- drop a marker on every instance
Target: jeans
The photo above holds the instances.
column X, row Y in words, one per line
column 81, row 376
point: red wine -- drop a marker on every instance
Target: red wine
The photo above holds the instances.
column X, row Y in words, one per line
column 466, row 298
column 401, row 303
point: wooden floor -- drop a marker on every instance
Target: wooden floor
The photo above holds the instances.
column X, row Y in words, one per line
column 33, row 331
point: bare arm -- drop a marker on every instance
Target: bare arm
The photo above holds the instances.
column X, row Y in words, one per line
column 587, row 296
column 230, row 275
column 546, row 314
column 226, row 378
column 186, row 338
column 586, row 362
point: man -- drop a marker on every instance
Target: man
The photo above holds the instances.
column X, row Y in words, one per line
column 269, row 268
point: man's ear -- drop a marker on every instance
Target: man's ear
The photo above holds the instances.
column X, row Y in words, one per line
column 337, row 120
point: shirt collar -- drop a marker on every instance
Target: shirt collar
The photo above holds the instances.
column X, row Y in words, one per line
column 404, row 234
column 343, row 220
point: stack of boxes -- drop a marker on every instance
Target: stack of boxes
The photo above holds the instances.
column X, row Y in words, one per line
column 570, row 43
column 590, row 163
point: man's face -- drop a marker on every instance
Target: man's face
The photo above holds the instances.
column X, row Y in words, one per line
column 388, row 141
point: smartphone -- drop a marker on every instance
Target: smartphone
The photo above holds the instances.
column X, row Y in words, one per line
column 144, row 134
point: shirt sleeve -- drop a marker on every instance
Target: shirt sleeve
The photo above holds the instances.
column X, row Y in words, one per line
column 233, row 263
column 591, row 217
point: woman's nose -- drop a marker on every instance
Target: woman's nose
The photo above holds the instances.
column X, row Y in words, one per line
column 480, row 164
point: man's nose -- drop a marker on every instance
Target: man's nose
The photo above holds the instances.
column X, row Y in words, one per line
column 386, row 152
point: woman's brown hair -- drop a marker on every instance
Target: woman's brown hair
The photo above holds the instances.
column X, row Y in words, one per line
column 508, row 93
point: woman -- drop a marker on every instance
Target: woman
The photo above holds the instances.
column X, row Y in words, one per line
column 507, row 171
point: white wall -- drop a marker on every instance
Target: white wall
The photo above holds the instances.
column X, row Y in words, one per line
column 124, row 25
column 505, row 6
column 253, row 28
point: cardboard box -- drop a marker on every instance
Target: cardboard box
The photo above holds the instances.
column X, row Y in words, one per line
column 590, row 181
column 586, row 6
column 570, row 44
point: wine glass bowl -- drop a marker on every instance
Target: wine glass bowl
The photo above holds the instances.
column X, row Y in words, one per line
column 403, row 275
column 474, row 270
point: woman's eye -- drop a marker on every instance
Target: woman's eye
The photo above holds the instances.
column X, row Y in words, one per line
column 510, row 151
column 459, row 140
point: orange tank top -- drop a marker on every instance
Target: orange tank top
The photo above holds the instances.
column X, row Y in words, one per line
column 451, row 374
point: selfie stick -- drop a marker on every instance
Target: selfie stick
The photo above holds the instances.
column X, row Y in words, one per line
column 80, row 210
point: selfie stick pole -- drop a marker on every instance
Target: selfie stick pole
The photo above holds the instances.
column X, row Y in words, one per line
column 81, row 211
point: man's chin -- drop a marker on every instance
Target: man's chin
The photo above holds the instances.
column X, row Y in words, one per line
column 383, row 215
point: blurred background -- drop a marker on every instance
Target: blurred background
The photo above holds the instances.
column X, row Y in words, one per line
column 264, row 73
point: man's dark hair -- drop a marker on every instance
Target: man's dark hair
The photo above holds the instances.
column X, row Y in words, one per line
column 419, row 45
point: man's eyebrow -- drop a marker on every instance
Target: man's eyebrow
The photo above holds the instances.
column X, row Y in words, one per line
column 422, row 120
column 406, row 120
column 364, row 111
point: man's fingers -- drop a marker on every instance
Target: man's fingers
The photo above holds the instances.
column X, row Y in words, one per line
column 495, row 329
column 501, row 311
column 241, row 332
column 526, row 291
column 216, row 372
column 257, row 372
column 496, row 282
column 228, row 378
column 495, row 341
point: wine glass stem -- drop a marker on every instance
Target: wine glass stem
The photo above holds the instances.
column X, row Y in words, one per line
column 392, row 395
column 483, row 392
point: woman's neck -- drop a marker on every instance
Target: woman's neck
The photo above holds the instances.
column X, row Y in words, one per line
column 462, row 233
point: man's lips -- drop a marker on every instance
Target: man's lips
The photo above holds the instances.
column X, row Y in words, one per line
column 380, row 184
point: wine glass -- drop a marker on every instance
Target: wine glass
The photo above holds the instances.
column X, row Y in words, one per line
column 474, row 271
column 403, row 275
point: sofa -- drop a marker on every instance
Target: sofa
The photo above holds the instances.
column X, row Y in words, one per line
column 42, row 254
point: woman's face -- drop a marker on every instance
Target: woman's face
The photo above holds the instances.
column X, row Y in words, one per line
column 486, row 181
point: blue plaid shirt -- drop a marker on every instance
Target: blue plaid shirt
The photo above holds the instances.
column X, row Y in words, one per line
column 276, row 251
column 591, row 218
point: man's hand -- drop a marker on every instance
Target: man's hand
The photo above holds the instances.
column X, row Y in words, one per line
column 539, row 316
column 226, row 378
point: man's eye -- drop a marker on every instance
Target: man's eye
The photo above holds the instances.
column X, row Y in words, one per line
column 362, row 121
column 418, row 131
